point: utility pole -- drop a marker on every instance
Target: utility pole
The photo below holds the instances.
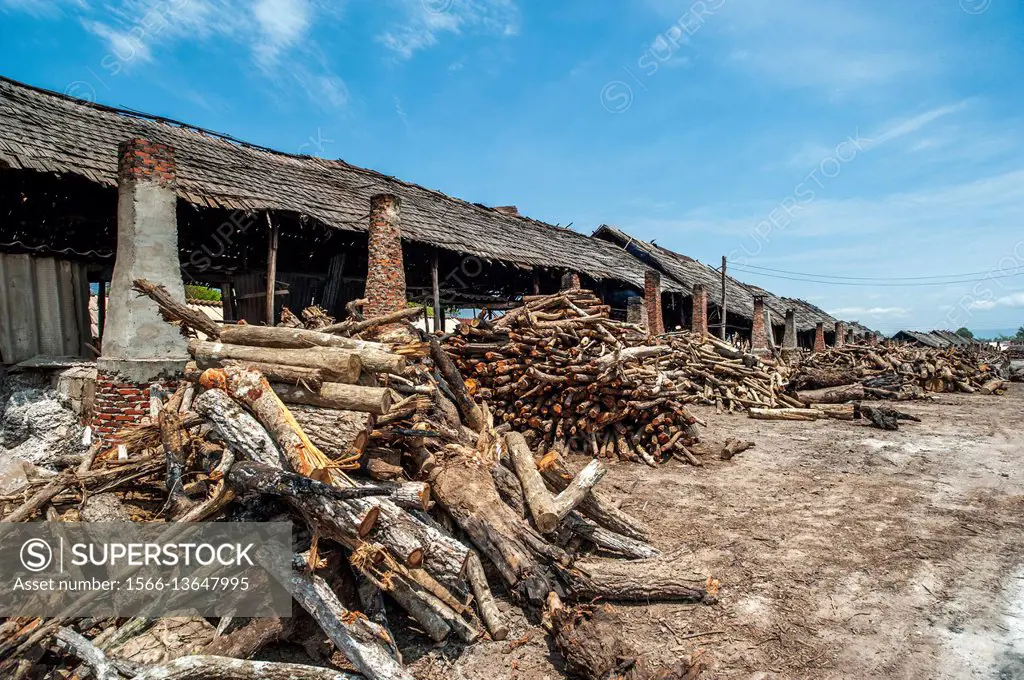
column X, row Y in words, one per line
column 721, row 333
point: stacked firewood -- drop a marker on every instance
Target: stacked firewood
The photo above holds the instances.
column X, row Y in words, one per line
column 560, row 371
column 897, row 372
column 244, row 438
column 563, row 373
column 716, row 373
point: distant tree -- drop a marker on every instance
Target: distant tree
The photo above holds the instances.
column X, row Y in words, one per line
column 964, row 333
column 1020, row 333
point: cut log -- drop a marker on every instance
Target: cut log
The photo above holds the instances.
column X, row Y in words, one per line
column 375, row 400
column 462, row 484
column 337, row 433
column 833, row 395
column 538, row 498
column 223, row 668
column 784, row 414
column 471, row 413
column 734, row 447
column 578, row 488
column 594, row 506
column 173, row 310
column 237, row 428
column 312, row 378
column 250, row 388
column 367, row 646
column 337, row 365
column 489, row 612
column 353, row 327
column 374, row 356
column 638, row 581
column 336, row 517
column 609, row 540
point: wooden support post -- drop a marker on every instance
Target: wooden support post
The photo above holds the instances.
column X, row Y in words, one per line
column 101, row 308
column 438, row 322
column 536, row 281
column 271, row 269
column 723, row 306
column 227, row 296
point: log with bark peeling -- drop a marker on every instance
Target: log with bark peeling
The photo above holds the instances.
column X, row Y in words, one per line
column 538, row 500
column 367, row 646
column 335, row 364
column 637, row 581
column 375, row 400
column 374, row 356
column 462, row 484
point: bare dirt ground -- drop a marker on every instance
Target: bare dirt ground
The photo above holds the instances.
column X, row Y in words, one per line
column 843, row 551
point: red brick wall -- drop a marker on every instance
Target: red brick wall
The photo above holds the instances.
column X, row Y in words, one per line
column 819, row 337
column 385, row 279
column 652, row 299
column 119, row 404
column 142, row 159
column 571, row 281
column 840, row 334
column 699, row 323
column 758, row 336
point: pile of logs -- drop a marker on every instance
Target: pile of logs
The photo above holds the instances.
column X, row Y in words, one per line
column 414, row 540
column 898, row 372
column 558, row 370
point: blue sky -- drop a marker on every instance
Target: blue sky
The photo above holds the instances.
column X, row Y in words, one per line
column 872, row 138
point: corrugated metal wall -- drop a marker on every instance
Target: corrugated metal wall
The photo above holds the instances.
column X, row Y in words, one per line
column 43, row 308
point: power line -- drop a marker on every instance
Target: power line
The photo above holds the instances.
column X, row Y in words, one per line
column 865, row 278
column 888, row 285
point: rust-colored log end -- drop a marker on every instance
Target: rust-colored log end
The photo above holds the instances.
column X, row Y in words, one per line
column 369, row 521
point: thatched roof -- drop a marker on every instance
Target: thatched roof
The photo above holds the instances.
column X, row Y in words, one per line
column 48, row 132
column 689, row 272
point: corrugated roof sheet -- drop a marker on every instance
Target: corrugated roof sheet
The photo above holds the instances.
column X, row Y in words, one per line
column 46, row 131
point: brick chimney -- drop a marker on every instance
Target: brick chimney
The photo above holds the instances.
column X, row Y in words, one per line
column 140, row 349
column 819, row 337
column 652, row 298
column 840, row 334
column 758, row 333
column 570, row 281
column 385, row 276
column 699, row 322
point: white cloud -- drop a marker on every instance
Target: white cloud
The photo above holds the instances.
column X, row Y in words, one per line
column 47, row 9
column 870, row 312
column 124, row 47
column 282, row 23
column 277, row 32
column 1014, row 300
column 425, row 21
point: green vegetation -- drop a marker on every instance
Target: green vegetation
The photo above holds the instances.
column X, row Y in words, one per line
column 963, row 332
column 202, row 293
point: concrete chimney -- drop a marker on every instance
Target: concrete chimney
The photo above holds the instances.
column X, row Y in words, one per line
column 137, row 342
column 699, row 323
column 636, row 312
column 140, row 349
column 840, row 334
column 819, row 337
column 652, row 297
column 789, row 338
